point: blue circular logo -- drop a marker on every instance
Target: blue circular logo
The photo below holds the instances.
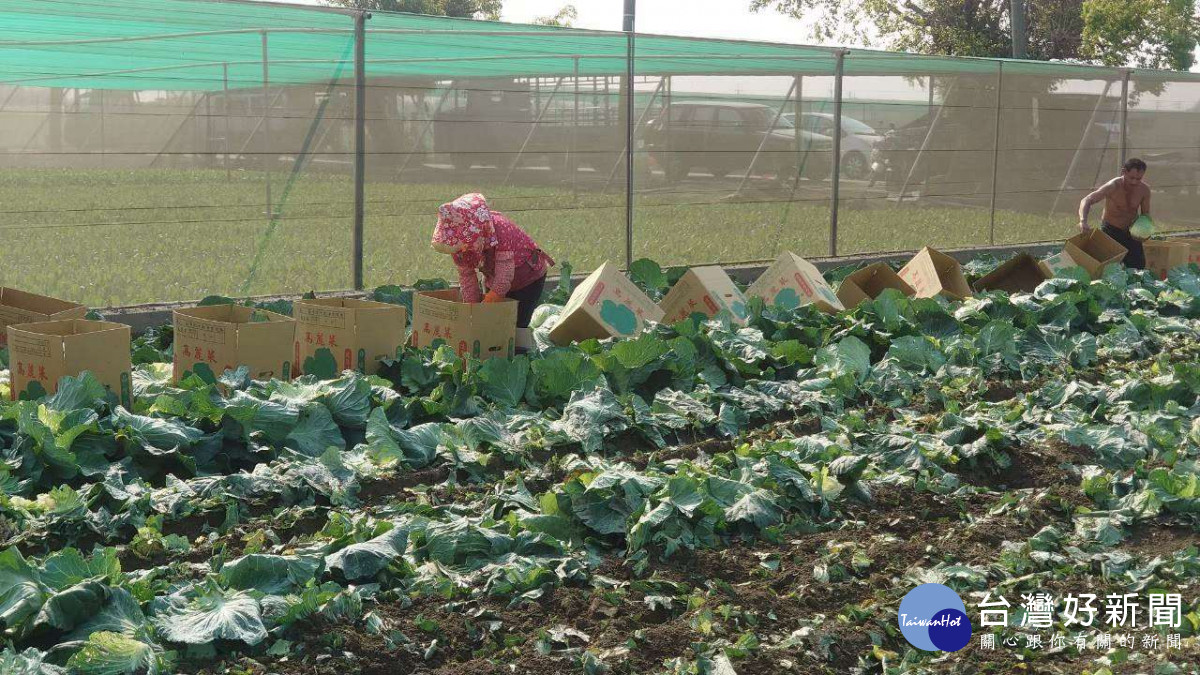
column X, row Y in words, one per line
column 932, row 617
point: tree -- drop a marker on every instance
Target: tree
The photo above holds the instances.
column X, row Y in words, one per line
column 470, row 9
column 1145, row 33
column 565, row 17
column 1149, row 33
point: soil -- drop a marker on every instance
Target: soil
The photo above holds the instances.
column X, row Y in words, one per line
column 1050, row 465
column 1161, row 537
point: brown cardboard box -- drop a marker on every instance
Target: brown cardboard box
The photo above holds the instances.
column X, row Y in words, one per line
column 337, row 334
column 1021, row 274
column 868, row 283
column 932, row 273
column 483, row 329
column 605, row 305
column 1163, row 255
column 706, row 290
column 210, row 340
column 41, row 353
column 1056, row 264
column 21, row 307
column 1094, row 251
column 792, row 281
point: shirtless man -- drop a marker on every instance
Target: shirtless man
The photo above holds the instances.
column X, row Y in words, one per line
column 1124, row 198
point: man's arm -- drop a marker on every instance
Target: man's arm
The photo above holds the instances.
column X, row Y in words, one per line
column 1085, row 204
column 1146, row 202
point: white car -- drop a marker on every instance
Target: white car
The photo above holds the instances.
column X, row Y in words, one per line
column 858, row 139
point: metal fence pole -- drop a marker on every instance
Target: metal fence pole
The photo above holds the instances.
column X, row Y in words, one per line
column 266, row 84
column 209, row 159
column 629, row 124
column 797, row 115
column 996, row 152
column 837, row 152
column 573, row 165
column 102, row 150
column 360, row 140
column 1124, row 117
column 225, row 107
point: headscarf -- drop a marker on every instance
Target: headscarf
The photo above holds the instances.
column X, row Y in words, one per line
column 463, row 222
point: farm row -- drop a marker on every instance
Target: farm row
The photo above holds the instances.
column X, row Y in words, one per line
column 703, row 498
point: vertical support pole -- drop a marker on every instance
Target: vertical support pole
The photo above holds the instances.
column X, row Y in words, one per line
column 267, row 141
column 225, row 109
column 797, row 112
column 54, row 132
column 630, row 14
column 573, row 165
column 102, row 150
column 1124, row 117
column 208, row 131
column 837, row 152
column 932, row 88
column 360, row 142
column 996, row 152
column 1020, row 39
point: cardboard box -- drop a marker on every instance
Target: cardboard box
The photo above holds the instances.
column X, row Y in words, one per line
column 792, row 282
column 21, row 307
column 1094, row 251
column 1021, row 274
column 484, row 330
column 706, row 290
column 868, row 283
column 41, row 353
column 932, row 273
column 337, row 334
column 1164, row 255
column 210, row 340
column 1056, row 264
column 605, row 305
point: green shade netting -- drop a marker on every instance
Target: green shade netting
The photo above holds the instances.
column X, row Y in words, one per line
column 198, row 45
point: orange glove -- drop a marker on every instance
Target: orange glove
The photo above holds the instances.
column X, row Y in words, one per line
column 492, row 296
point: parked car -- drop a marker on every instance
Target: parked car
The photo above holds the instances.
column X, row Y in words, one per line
column 496, row 122
column 858, row 139
column 725, row 136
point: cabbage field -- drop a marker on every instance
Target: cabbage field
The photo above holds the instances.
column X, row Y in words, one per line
column 703, row 499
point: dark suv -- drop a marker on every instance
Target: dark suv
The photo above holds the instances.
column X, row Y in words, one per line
column 723, row 137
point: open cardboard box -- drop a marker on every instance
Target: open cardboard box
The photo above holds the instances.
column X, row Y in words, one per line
column 41, row 353
column 1021, row 274
column 1094, row 250
column 605, row 305
column 337, row 334
column 1163, row 255
column 868, row 283
column 792, row 281
column 482, row 329
column 1058, row 263
column 705, row 290
column 21, row 307
column 210, row 340
column 932, row 273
